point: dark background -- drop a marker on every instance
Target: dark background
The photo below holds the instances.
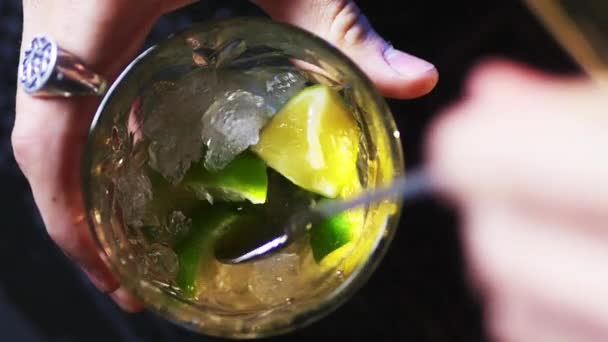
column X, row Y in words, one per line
column 420, row 291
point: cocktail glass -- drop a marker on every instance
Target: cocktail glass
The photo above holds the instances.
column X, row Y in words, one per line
column 173, row 110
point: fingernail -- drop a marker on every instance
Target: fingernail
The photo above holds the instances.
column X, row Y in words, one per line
column 407, row 65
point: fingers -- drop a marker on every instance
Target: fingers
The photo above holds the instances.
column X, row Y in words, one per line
column 513, row 318
column 126, row 301
column 49, row 134
column 520, row 155
column 171, row 5
column 540, row 275
column 48, row 151
column 397, row 74
column 525, row 138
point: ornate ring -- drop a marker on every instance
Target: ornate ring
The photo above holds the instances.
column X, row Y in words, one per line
column 47, row 70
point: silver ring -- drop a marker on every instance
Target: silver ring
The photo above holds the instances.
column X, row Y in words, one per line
column 47, row 70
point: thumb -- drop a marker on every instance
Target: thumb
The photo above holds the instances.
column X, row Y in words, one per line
column 397, row 74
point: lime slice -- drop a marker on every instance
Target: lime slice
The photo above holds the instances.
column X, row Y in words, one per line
column 335, row 232
column 313, row 141
column 349, row 256
column 195, row 252
column 244, row 178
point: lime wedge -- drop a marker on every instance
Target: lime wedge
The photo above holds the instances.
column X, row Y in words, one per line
column 244, row 178
column 313, row 141
column 335, row 232
column 195, row 252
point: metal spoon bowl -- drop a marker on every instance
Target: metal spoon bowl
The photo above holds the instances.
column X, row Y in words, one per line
column 241, row 244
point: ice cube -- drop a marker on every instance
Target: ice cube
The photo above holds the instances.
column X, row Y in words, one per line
column 232, row 124
column 231, row 80
column 275, row 280
column 229, row 287
column 275, row 84
column 134, row 192
column 178, row 225
column 282, row 86
column 233, row 278
column 160, row 263
column 173, row 125
column 169, row 229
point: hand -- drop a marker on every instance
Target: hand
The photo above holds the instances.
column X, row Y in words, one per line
column 524, row 157
column 49, row 134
